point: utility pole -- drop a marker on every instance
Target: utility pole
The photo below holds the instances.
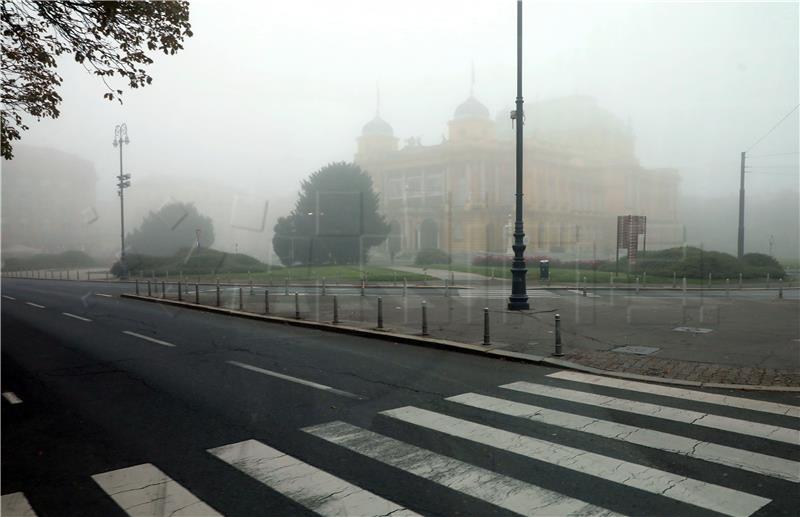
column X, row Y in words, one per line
column 123, row 182
column 519, row 294
column 740, row 245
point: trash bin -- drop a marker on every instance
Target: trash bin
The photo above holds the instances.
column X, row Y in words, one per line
column 544, row 269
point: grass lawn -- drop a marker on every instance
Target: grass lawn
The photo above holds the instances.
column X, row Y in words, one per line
column 332, row 275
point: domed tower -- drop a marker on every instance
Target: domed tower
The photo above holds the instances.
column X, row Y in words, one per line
column 471, row 120
column 377, row 137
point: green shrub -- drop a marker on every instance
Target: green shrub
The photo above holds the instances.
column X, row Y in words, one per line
column 66, row 259
column 431, row 256
column 192, row 262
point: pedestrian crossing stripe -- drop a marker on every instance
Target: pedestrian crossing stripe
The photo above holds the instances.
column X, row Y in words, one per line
column 309, row 486
column 144, row 490
column 752, row 461
column 687, row 490
column 722, row 423
column 16, row 505
column 491, row 487
column 670, row 391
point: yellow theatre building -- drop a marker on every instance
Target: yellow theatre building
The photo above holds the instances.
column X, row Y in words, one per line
column 580, row 173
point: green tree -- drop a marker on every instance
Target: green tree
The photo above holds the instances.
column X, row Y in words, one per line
column 108, row 38
column 173, row 227
column 335, row 219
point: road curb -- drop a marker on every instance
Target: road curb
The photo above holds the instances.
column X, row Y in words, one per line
column 446, row 344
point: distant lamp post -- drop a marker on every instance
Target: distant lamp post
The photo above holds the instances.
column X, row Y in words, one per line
column 518, row 301
column 123, row 182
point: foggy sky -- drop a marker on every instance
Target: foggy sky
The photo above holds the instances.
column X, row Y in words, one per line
column 267, row 92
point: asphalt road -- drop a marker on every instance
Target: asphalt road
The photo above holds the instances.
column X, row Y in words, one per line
column 115, row 407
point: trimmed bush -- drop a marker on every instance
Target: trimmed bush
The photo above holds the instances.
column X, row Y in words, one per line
column 198, row 262
column 66, row 259
column 431, row 256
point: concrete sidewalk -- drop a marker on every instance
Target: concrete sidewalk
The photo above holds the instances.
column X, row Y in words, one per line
column 693, row 338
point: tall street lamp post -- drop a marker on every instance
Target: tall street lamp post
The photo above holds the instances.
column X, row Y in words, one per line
column 518, row 300
column 123, row 182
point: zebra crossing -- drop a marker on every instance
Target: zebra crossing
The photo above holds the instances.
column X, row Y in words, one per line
column 405, row 440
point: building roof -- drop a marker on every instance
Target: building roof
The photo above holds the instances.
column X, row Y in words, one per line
column 471, row 108
column 377, row 126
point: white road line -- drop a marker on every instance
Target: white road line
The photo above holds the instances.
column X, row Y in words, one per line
column 668, row 391
column 75, row 316
column 313, row 488
column 737, row 458
column 35, row 305
column 687, row 490
column 722, row 423
column 12, row 397
column 103, row 294
column 147, row 338
column 16, row 505
column 497, row 489
column 297, row 380
column 9, row 298
column 145, row 490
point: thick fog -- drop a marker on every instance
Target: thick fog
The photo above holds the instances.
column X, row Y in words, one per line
column 267, row 92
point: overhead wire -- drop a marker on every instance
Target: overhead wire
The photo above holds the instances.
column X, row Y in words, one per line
column 772, row 129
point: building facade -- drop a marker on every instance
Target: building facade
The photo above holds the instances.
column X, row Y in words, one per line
column 580, row 173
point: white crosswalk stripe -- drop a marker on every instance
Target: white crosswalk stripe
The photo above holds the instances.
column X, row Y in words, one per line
column 16, row 505
column 732, row 457
column 687, row 490
column 681, row 393
column 144, row 490
column 313, row 488
column 734, row 425
column 496, row 489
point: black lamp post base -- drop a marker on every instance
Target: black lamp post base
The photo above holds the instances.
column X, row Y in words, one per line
column 519, row 305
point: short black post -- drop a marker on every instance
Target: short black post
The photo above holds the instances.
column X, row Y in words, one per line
column 780, row 288
column 335, row 309
column 486, row 338
column 380, row 312
column 558, row 352
column 217, row 294
column 405, row 286
column 241, row 301
column 266, row 301
column 363, row 285
column 149, row 289
column 180, row 292
column 286, row 286
column 163, row 289
column 296, row 306
column 424, row 318
column 137, row 287
column 324, row 287
column 251, row 287
column 197, row 294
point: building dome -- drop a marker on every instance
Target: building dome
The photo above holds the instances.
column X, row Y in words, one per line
column 377, row 126
column 471, row 108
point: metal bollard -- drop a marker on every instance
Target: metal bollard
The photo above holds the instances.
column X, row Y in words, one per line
column 266, row 301
column 296, row 306
column 644, row 278
column 424, row 319
column 335, row 309
column 405, row 286
column 486, row 339
column 637, row 285
column 149, row 289
column 446, row 288
column 286, row 286
column 584, row 286
column 780, row 288
column 683, row 285
column 674, row 280
column 558, row 352
column 767, row 280
column 197, row 294
column 727, row 288
column 251, row 287
column 324, row 287
column 217, row 294
column 363, row 284
column 180, row 292
column 163, row 290
column 709, row 280
column 241, row 301
column 380, row 313
column 137, row 286
column 740, row 281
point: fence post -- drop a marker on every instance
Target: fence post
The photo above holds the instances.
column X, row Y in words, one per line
column 380, row 313
column 424, row 319
column 363, row 284
column 780, row 288
column 149, row 289
column 335, row 309
column 405, row 286
column 296, row 306
column 241, row 301
column 180, row 292
column 217, row 293
column 251, row 286
column 674, row 280
column 486, row 339
column 324, row 287
column 197, row 294
column 163, row 290
column 266, row 301
column 558, row 352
